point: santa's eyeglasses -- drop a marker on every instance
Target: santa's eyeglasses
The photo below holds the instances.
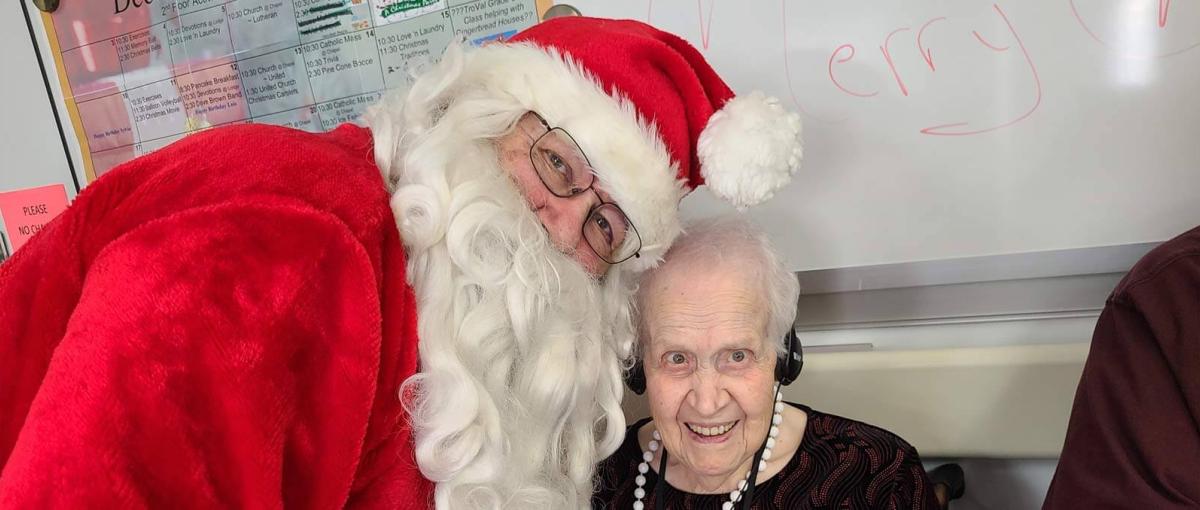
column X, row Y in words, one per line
column 565, row 171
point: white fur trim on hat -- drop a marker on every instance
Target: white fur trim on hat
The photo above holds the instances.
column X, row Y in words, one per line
column 749, row 149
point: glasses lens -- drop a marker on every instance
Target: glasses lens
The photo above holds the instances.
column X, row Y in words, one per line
column 560, row 163
column 609, row 232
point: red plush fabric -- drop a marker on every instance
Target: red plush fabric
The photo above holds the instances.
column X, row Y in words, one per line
column 222, row 323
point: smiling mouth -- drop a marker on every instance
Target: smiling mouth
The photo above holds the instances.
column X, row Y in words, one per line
column 711, row 431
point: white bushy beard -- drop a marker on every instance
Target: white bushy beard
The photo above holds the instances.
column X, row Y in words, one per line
column 518, row 395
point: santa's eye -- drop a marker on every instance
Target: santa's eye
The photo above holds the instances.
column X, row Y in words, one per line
column 558, row 164
column 605, row 229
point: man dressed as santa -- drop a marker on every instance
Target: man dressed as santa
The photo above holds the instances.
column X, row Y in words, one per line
column 432, row 309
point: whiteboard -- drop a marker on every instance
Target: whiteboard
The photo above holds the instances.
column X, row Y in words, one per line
column 940, row 129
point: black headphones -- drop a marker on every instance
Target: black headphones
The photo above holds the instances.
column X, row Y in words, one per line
column 787, row 365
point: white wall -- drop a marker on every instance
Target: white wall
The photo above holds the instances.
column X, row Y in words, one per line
column 31, row 153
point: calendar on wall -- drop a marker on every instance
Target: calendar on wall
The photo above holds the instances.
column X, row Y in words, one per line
column 136, row 75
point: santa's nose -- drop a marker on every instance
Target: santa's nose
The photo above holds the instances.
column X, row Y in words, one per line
column 564, row 217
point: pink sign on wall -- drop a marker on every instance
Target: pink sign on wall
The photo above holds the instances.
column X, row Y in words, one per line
column 26, row 211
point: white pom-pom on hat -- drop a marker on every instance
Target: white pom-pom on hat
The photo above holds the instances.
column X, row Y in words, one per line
column 750, row 148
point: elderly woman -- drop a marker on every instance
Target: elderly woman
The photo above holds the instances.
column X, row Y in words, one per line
column 711, row 320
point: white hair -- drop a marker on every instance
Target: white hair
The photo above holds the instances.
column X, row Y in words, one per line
column 734, row 244
column 519, row 390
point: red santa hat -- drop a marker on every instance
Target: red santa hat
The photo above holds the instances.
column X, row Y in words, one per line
column 744, row 147
column 653, row 118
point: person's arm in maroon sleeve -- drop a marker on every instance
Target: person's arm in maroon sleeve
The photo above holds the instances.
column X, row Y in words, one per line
column 1134, row 435
column 223, row 356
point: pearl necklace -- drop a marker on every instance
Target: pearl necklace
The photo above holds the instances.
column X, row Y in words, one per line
column 734, row 495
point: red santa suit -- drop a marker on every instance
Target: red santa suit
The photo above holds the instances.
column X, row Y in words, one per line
column 223, row 323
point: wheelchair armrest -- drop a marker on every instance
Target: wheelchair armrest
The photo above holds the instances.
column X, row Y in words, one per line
column 952, row 478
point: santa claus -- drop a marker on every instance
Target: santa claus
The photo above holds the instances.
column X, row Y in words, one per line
column 253, row 317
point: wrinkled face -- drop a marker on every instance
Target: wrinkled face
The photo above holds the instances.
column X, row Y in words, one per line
column 563, row 218
column 709, row 371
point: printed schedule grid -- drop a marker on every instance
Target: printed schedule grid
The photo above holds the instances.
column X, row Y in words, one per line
column 144, row 73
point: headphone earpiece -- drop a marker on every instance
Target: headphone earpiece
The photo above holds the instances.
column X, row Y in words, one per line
column 635, row 378
column 787, row 366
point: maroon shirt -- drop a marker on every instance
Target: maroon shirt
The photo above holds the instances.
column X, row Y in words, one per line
column 840, row 464
column 1134, row 435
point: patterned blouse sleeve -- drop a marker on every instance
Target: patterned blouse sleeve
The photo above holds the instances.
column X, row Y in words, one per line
column 911, row 489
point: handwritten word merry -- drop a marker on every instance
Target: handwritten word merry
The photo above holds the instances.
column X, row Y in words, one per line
column 845, row 53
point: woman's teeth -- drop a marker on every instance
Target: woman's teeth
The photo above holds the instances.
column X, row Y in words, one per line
column 711, row 431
